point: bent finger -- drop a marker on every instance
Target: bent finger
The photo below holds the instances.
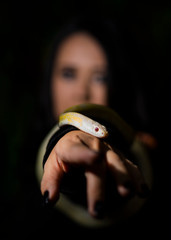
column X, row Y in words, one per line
column 120, row 173
column 74, row 149
column 141, row 187
column 96, row 178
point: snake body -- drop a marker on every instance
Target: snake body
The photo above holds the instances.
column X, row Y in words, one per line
column 83, row 123
column 82, row 115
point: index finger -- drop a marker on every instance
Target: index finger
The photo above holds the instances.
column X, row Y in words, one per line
column 75, row 149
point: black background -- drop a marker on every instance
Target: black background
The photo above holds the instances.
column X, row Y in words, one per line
column 26, row 30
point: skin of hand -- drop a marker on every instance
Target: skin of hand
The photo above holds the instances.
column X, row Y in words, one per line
column 97, row 158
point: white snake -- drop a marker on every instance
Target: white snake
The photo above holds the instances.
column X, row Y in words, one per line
column 83, row 123
column 77, row 116
column 82, row 115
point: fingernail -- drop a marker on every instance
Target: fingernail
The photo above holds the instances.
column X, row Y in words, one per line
column 130, row 190
column 46, row 199
column 99, row 209
column 128, row 185
column 145, row 191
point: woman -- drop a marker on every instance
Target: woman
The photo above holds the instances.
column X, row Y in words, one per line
column 87, row 66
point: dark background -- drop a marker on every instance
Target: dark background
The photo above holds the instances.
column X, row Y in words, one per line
column 26, row 30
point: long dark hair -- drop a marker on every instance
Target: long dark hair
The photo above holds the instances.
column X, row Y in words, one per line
column 124, row 91
column 123, row 88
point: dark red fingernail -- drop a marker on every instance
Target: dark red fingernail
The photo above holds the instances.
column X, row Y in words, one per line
column 128, row 185
column 99, row 209
column 46, row 199
column 145, row 191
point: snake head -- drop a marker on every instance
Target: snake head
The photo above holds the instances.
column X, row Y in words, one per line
column 100, row 130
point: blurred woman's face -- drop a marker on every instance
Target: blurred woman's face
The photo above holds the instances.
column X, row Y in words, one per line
column 79, row 73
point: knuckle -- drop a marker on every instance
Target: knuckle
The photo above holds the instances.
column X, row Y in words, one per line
column 96, row 157
column 97, row 144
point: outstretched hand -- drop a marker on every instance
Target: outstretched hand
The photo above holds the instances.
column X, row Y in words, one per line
column 98, row 159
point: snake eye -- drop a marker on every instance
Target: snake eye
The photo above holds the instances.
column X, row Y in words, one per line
column 96, row 129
